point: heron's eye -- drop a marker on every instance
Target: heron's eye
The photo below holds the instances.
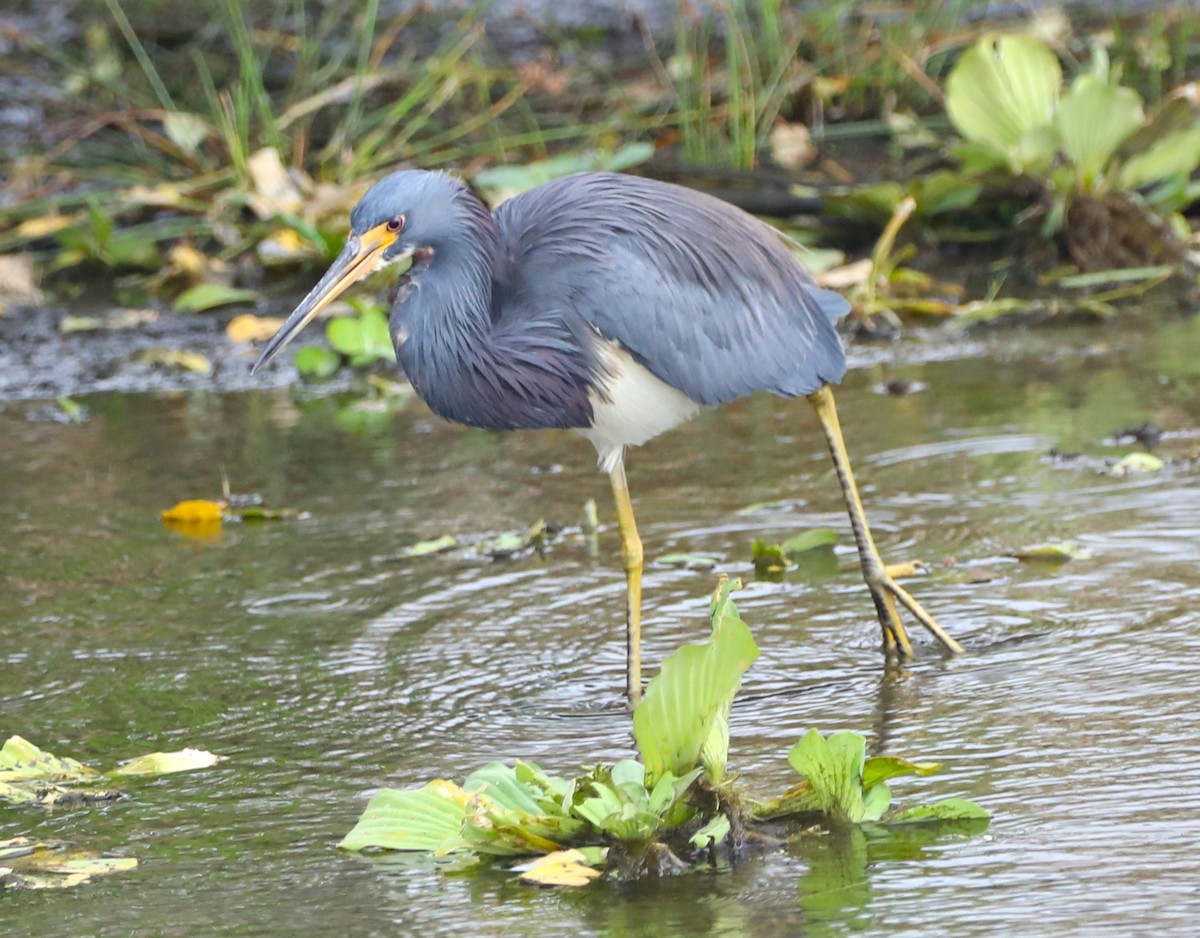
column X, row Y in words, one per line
column 395, row 224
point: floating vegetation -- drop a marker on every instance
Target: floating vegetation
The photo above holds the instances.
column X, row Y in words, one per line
column 1109, row 179
column 26, row 863
column 1052, row 553
column 32, row 776
column 773, row 559
column 662, row 814
column 29, row 775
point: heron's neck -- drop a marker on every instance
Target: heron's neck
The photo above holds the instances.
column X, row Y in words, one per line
column 476, row 363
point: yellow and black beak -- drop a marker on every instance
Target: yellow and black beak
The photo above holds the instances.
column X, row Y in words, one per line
column 361, row 257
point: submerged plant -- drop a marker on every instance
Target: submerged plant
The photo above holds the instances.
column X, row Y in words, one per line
column 645, row 815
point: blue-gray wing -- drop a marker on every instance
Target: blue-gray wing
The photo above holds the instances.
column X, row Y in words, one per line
column 707, row 297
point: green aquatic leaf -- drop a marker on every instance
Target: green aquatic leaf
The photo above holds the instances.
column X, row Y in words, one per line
column 616, row 803
column 687, row 561
column 813, row 539
column 1176, row 154
column 315, row 361
column 945, row 191
column 513, row 179
column 518, row 809
column 711, row 833
column 948, row 809
column 1100, row 278
column 881, row 768
column 364, row 338
column 429, row 818
column 769, row 559
column 876, row 800
column 1002, row 94
column 1136, row 464
column 205, row 296
column 436, row 546
column 521, row 787
column 1093, row 119
column 833, row 767
column 692, row 694
column 508, row 543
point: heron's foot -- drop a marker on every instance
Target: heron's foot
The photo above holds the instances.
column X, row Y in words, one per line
column 888, row 596
column 899, row 571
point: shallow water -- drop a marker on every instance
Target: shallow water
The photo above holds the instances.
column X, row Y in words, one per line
column 324, row 665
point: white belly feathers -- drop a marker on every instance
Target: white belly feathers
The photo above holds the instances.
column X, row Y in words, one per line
column 631, row 407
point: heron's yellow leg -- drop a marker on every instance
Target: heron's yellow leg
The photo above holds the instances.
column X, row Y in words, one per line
column 885, row 591
column 631, row 559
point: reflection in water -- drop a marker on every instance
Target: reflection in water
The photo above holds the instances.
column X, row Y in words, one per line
column 324, row 664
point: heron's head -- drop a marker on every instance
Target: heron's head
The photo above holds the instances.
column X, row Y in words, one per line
column 405, row 215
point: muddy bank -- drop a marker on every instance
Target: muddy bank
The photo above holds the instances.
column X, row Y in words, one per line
column 39, row 360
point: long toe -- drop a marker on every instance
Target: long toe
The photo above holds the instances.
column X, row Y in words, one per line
column 904, row 598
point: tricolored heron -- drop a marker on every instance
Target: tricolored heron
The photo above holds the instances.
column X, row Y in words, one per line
column 609, row 304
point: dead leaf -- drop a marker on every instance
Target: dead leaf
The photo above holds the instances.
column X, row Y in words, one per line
column 846, row 276
column 250, row 328
column 275, row 191
column 560, row 868
column 187, row 261
column 120, row 319
column 163, row 195
column 45, row 864
column 175, row 358
column 164, row 763
column 33, row 228
column 187, row 131
column 283, row 247
column 1052, row 553
column 791, row 145
column 194, row 511
column 17, row 282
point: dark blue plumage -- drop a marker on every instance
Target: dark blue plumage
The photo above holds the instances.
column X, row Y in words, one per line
column 704, row 295
column 497, row 323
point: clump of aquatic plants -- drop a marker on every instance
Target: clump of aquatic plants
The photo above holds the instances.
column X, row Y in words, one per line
column 674, row 806
column 1105, row 177
column 33, row 777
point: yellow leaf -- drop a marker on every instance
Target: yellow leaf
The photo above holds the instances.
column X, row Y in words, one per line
column 175, row 358
column 276, row 191
column 163, row 195
column 194, row 511
column 561, row 868
column 284, row 246
column 163, row 763
column 187, row 260
column 250, row 328
column 44, row 226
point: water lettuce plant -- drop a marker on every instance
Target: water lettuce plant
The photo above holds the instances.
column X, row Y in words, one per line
column 1099, row 161
column 655, row 815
